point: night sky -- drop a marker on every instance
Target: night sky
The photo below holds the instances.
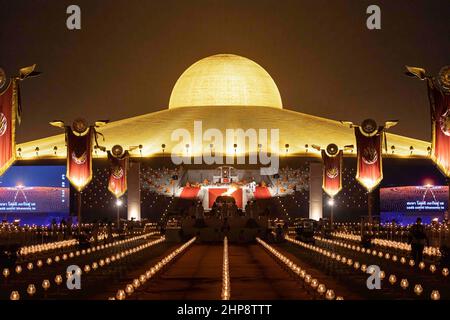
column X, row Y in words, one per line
column 129, row 54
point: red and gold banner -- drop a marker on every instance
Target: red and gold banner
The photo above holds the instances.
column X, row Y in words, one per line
column 8, row 106
column 369, row 158
column 117, row 182
column 332, row 172
column 440, row 115
column 79, row 157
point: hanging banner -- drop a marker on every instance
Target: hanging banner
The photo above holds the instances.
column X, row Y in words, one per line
column 369, row 154
column 79, row 157
column 117, row 182
column 8, row 112
column 332, row 170
column 439, row 94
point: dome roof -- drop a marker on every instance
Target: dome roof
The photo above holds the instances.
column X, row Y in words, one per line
column 225, row 80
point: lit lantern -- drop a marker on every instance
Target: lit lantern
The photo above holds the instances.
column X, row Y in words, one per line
column 30, row 266
column 39, row 263
column 94, row 265
column 411, row 263
column 394, row 258
column 307, row 278
column 57, row 259
column 435, row 295
column 314, row 283
column 356, row 265
column 14, row 295
column 136, row 283
column 120, row 295
column 31, row 290
column 418, row 289
column 445, row 272
column 5, row 272
column 142, row 278
column 49, row 261
column 129, row 289
column 329, row 295
column 46, row 284
column 321, row 288
column 432, row 268
column 101, row 263
column 404, row 284
column 18, row 269
column 58, row 279
column 339, row 298
column 402, row 260
column 392, row 279
column 382, row 275
column 421, row 265
column 87, row 268
column 363, row 268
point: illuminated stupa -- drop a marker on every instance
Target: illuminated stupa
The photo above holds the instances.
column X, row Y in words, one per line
column 225, row 80
column 224, row 91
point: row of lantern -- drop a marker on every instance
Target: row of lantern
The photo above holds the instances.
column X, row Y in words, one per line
column 40, row 263
column 428, row 250
column 38, row 248
column 404, row 284
column 136, row 283
column 47, row 246
column 225, row 272
column 380, row 254
column 307, row 278
column 46, row 284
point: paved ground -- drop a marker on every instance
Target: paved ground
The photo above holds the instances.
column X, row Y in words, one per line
column 197, row 274
column 255, row 274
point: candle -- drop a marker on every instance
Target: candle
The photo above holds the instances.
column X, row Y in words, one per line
column 129, row 289
column 5, row 272
column 329, row 295
column 120, row 295
column 404, row 283
column 14, row 295
column 31, row 289
column 435, row 295
column 418, row 289
column 45, row 284
column 392, row 279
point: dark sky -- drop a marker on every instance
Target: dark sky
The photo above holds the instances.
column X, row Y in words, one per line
column 129, row 53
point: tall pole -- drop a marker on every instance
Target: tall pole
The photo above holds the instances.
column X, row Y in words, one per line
column 332, row 213
column 370, row 208
column 118, row 217
column 79, row 211
column 448, row 200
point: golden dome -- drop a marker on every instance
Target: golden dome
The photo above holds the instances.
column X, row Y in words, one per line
column 225, row 80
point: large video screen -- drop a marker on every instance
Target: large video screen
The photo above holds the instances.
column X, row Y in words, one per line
column 34, row 194
column 405, row 204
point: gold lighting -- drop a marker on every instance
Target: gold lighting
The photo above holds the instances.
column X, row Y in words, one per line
column 225, row 80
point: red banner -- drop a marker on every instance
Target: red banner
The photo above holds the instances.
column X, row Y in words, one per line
column 441, row 129
column 117, row 182
column 369, row 158
column 332, row 172
column 8, row 104
column 79, row 158
column 213, row 193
